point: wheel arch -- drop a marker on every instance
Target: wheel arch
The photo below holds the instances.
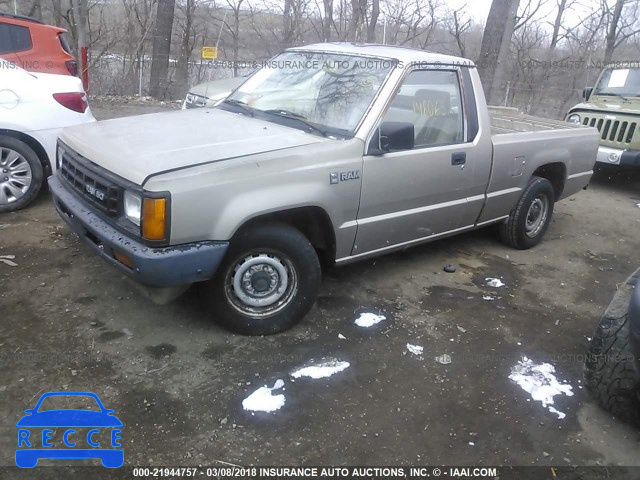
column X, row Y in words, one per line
column 312, row 221
column 556, row 174
column 34, row 144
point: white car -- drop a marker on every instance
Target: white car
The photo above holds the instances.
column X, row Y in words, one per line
column 33, row 109
column 209, row 94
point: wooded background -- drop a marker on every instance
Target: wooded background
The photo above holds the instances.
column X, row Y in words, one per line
column 536, row 55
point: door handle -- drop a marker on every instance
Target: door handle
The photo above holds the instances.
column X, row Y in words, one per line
column 458, row 158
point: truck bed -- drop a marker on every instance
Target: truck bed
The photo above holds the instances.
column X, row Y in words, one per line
column 522, row 143
column 510, row 120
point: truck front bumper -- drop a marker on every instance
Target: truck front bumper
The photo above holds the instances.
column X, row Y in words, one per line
column 615, row 156
column 634, row 320
column 153, row 267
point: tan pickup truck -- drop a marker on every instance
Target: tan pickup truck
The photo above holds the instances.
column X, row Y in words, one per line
column 328, row 154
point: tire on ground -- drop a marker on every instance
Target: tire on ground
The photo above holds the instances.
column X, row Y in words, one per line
column 609, row 372
column 37, row 174
column 301, row 263
column 513, row 232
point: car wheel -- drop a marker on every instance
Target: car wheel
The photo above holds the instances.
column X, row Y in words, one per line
column 530, row 218
column 267, row 282
column 609, row 372
column 21, row 174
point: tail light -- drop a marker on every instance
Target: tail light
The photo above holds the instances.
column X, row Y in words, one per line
column 73, row 101
column 72, row 67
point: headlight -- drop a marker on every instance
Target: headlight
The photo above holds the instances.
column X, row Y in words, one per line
column 574, row 118
column 132, row 207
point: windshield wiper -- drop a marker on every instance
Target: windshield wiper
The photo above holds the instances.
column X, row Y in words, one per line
column 297, row 117
column 241, row 105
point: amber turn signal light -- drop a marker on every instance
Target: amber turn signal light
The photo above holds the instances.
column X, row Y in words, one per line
column 154, row 218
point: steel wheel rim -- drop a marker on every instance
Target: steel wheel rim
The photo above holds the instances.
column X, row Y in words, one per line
column 261, row 284
column 15, row 176
column 536, row 216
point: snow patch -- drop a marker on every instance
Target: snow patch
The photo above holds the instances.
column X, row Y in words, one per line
column 494, row 282
column 540, row 382
column 262, row 400
column 368, row 319
column 415, row 349
column 321, row 370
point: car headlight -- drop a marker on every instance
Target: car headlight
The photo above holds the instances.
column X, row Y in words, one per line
column 574, row 118
column 132, row 207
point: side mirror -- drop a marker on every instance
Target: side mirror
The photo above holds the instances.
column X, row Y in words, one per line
column 392, row 136
column 586, row 93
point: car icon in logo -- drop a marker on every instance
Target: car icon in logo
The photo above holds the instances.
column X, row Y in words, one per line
column 69, row 433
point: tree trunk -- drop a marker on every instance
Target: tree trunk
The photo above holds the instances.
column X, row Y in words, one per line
column 355, row 20
column 182, row 68
column 612, row 32
column 371, row 28
column 494, row 50
column 161, row 48
column 327, row 21
column 287, row 23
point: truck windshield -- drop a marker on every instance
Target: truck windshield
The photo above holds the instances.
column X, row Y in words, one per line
column 318, row 92
column 619, row 82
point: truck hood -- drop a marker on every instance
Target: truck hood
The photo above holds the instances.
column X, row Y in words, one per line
column 610, row 105
column 138, row 147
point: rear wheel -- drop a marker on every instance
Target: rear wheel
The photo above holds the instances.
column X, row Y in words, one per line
column 609, row 372
column 267, row 283
column 530, row 218
column 21, row 174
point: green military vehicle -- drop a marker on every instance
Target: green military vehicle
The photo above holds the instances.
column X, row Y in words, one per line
column 613, row 107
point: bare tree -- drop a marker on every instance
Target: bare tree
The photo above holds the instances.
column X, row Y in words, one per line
column 457, row 26
column 161, row 48
column 623, row 24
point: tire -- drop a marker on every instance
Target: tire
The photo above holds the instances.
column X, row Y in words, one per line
column 267, row 282
column 517, row 231
column 21, row 174
column 609, row 373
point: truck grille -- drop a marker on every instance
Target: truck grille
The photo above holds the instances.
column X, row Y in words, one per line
column 616, row 131
column 89, row 184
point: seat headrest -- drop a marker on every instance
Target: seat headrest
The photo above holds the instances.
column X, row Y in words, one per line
column 431, row 102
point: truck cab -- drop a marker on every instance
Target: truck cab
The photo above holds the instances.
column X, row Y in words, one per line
column 613, row 107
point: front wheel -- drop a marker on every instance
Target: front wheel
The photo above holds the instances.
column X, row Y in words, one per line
column 267, row 283
column 530, row 218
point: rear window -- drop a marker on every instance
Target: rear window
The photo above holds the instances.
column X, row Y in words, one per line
column 14, row 38
column 65, row 44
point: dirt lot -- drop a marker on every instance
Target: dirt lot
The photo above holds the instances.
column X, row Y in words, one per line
column 177, row 380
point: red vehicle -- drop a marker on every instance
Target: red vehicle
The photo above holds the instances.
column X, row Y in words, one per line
column 34, row 46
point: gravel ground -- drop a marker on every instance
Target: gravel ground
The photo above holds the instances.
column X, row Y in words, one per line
column 177, row 380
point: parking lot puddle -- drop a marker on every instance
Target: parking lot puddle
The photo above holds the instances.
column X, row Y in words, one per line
column 263, row 400
column 369, row 319
column 540, row 382
column 321, row 370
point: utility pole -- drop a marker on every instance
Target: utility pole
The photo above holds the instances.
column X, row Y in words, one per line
column 81, row 13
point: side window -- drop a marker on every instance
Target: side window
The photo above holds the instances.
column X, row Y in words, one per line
column 431, row 101
column 14, row 38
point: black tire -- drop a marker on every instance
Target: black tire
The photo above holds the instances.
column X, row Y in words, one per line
column 609, row 373
column 514, row 231
column 37, row 174
column 272, row 246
